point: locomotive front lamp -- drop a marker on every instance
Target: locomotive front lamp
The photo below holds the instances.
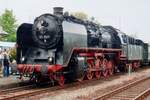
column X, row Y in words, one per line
column 23, row 59
column 50, row 59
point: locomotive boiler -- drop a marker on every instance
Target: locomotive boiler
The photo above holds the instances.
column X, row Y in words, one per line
column 60, row 47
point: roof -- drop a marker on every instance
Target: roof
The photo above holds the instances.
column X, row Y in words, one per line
column 2, row 32
column 7, row 44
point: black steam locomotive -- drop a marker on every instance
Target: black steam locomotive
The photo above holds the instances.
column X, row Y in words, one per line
column 60, row 47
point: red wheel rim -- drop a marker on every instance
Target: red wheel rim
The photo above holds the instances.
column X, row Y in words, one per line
column 61, row 80
column 89, row 75
column 98, row 74
column 98, row 64
column 105, row 71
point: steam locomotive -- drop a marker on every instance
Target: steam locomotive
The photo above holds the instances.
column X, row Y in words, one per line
column 60, row 48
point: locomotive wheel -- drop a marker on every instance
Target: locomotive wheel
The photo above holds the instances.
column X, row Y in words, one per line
column 81, row 78
column 38, row 79
column 98, row 64
column 105, row 73
column 105, row 70
column 61, row 80
column 110, row 67
column 98, row 74
column 89, row 75
column 32, row 79
column 111, row 71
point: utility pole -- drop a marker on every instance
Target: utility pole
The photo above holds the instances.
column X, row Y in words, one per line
column 119, row 22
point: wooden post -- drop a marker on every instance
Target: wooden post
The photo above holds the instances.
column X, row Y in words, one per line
column 129, row 70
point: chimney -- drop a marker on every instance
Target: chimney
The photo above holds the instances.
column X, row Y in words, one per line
column 58, row 11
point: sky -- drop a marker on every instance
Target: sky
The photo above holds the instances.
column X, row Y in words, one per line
column 130, row 16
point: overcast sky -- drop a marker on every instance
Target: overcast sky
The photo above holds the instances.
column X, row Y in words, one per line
column 131, row 16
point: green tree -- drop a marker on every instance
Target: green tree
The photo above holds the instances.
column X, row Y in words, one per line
column 12, row 53
column 8, row 23
column 84, row 16
column 80, row 15
column 93, row 19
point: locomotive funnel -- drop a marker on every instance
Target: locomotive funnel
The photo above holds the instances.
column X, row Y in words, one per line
column 58, row 10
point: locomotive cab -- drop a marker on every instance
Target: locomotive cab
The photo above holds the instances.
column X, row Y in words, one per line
column 110, row 38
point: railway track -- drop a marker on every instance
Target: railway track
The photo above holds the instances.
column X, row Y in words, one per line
column 15, row 89
column 28, row 91
column 136, row 90
column 32, row 90
column 21, row 92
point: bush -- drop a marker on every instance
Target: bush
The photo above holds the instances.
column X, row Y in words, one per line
column 12, row 54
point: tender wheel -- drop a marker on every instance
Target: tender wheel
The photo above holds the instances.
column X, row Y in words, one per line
column 61, row 80
column 129, row 68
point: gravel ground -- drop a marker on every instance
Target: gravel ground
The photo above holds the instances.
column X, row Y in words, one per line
column 148, row 98
column 8, row 80
column 90, row 91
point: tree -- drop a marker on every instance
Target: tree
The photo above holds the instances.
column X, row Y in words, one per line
column 93, row 19
column 12, row 53
column 80, row 15
column 8, row 23
column 84, row 16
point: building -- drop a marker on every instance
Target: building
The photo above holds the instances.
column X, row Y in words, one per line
column 5, row 45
